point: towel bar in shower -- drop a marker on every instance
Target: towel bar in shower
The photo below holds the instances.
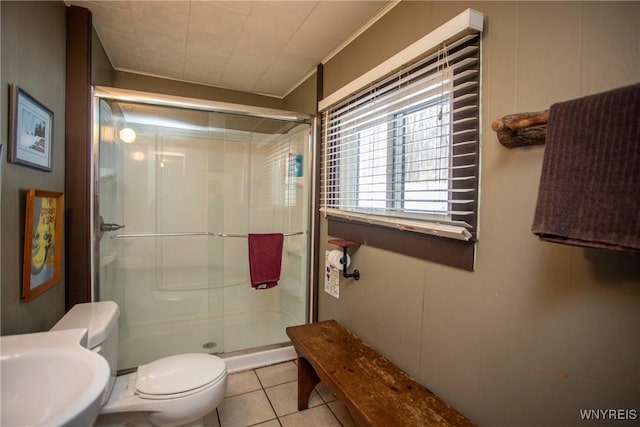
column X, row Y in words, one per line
column 190, row 233
column 182, row 234
column 295, row 233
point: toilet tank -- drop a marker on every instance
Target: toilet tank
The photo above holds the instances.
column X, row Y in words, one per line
column 101, row 321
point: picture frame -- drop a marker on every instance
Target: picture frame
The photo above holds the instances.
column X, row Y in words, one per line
column 30, row 130
column 42, row 266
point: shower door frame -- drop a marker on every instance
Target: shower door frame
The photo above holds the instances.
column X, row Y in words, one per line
column 117, row 94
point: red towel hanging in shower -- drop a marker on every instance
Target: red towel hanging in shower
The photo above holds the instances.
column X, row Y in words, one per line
column 265, row 259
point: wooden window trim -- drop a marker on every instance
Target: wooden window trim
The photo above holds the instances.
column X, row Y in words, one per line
column 454, row 253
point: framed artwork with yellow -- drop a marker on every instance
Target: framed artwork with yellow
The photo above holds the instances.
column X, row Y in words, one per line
column 42, row 268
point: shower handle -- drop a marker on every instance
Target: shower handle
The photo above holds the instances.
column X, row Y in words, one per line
column 107, row 226
column 110, row 227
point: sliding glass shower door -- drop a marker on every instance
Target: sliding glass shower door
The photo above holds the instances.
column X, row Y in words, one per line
column 178, row 192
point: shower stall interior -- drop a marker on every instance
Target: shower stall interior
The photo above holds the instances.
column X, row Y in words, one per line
column 179, row 184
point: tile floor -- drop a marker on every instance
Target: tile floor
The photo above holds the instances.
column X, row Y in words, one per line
column 267, row 397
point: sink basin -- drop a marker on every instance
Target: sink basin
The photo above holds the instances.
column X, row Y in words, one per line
column 50, row 379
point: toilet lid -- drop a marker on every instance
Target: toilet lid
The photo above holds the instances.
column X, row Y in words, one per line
column 179, row 374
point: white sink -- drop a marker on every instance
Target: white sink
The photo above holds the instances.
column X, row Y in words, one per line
column 50, row 379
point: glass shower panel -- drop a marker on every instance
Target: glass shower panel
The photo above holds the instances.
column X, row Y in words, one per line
column 188, row 190
column 295, row 196
column 187, row 204
column 160, row 275
column 109, row 188
column 260, row 187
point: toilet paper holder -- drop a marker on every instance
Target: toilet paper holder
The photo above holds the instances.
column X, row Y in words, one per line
column 344, row 244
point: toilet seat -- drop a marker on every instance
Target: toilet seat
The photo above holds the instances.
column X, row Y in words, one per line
column 168, row 409
column 179, row 376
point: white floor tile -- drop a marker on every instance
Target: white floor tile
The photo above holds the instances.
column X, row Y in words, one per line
column 268, row 397
column 272, row 423
column 277, row 374
column 245, row 410
column 325, row 393
column 342, row 413
column 319, row 416
column 284, row 398
column 211, row 420
column 242, row 382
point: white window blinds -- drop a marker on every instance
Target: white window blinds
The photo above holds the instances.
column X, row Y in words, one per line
column 403, row 152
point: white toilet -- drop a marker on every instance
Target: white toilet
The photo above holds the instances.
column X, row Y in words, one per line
column 171, row 391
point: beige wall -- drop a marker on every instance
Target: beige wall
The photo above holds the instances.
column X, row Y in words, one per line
column 538, row 330
column 191, row 90
column 302, row 99
column 102, row 72
column 33, row 57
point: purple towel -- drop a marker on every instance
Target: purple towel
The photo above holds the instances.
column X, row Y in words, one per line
column 265, row 259
column 589, row 191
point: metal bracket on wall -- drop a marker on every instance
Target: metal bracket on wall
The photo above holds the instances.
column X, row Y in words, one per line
column 344, row 244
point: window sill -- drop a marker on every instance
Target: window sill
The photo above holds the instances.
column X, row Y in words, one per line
column 454, row 253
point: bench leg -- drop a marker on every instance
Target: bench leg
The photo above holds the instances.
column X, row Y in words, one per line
column 307, row 381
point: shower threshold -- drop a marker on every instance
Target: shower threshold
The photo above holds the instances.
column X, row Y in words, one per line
column 259, row 357
column 240, row 361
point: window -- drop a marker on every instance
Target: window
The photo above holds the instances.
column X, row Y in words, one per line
column 400, row 149
column 404, row 151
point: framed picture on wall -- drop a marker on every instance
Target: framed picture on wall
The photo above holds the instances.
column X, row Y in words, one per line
column 30, row 130
column 42, row 268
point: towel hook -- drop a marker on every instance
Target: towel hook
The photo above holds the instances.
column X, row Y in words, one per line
column 344, row 244
column 523, row 129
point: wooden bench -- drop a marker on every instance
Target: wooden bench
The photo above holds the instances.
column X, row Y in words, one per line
column 376, row 392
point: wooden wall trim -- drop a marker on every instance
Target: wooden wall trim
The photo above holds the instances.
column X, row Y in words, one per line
column 78, row 157
column 454, row 253
column 319, row 261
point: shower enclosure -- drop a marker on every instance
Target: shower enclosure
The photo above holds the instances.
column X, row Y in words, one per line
column 179, row 184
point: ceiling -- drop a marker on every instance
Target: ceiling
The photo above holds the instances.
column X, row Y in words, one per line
column 264, row 47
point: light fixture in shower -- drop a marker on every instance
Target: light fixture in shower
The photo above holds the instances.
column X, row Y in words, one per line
column 127, row 135
column 138, row 156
